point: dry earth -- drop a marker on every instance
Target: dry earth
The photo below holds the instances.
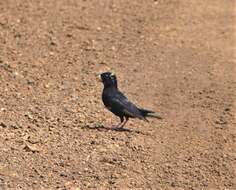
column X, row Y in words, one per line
column 173, row 56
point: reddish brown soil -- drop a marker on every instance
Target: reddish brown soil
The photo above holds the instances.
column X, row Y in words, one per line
column 172, row 56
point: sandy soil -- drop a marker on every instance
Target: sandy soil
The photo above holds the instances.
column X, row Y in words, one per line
column 173, row 56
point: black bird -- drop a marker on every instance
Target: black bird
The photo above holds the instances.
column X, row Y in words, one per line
column 118, row 104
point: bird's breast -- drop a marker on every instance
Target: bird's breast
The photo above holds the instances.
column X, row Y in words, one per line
column 105, row 99
column 109, row 108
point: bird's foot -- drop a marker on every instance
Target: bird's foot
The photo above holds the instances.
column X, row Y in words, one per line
column 121, row 129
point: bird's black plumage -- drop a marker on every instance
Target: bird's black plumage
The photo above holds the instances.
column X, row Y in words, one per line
column 117, row 103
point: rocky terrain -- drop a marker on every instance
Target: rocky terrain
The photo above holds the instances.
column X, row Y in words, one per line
column 175, row 57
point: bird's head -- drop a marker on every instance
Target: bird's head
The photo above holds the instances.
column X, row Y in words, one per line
column 108, row 79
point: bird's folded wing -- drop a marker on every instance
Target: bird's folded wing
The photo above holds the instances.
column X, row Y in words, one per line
column 124, row 105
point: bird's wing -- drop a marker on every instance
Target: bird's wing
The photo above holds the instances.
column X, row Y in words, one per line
column 121, row 103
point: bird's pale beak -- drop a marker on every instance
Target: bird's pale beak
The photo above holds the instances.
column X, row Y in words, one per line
column 99, row 78
column 112, row 74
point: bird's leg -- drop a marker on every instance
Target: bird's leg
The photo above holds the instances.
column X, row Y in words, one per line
column 119, row 124
column 123, row 123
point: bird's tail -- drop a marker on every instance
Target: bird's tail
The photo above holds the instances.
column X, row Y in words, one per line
column 149, row 113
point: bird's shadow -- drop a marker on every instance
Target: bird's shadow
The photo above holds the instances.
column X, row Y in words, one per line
column 100, row 127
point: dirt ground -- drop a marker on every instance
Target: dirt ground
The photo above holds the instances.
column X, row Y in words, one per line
column 173, row 56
